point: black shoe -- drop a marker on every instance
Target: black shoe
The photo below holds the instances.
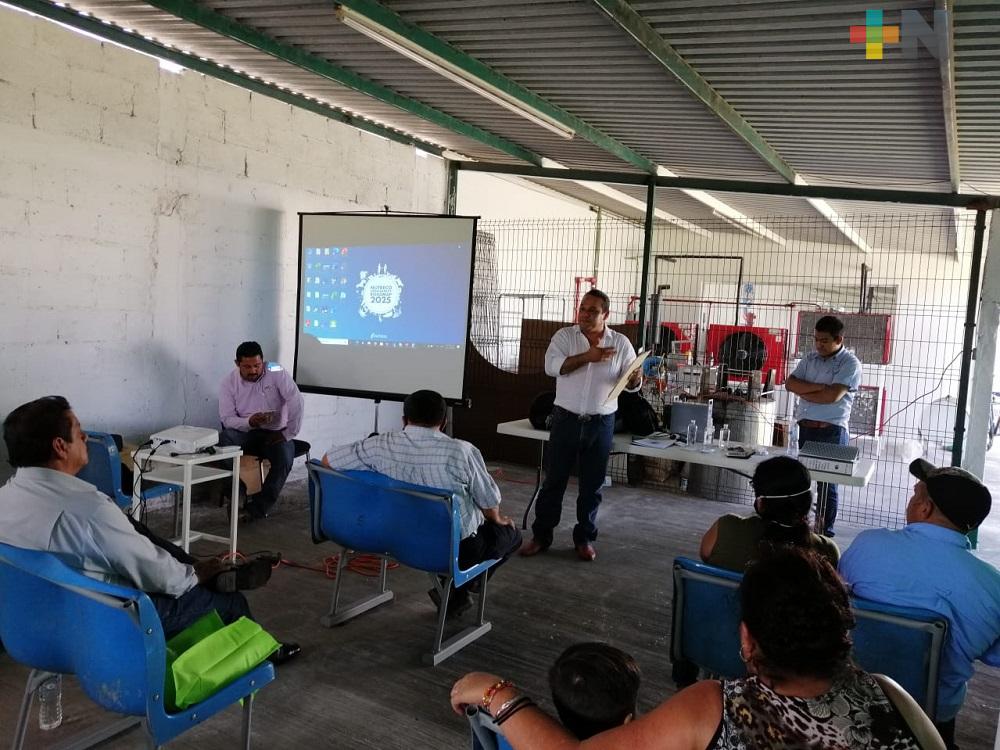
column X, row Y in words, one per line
column 243, row 577
column 285, row 653
column 458, row 603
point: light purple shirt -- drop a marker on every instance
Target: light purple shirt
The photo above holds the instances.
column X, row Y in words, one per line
column 274, row 391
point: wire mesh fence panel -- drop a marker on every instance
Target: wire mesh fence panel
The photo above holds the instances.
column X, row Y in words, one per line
column 730, row 313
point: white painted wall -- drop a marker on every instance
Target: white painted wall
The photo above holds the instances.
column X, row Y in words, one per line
column 148, row 224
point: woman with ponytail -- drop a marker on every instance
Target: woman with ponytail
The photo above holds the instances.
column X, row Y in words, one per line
column 782, row 499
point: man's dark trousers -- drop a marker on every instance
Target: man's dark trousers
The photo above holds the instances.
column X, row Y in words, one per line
column 280, row 453
column 492, row 541
column 830, row 434
column 184, row 610
column 574, row 438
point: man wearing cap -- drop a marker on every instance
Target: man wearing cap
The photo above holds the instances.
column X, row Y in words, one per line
column 928, row 564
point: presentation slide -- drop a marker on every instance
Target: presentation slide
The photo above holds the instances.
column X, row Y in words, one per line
column 383, row 304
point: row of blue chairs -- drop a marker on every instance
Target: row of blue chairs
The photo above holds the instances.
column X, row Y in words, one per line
column 110, row 636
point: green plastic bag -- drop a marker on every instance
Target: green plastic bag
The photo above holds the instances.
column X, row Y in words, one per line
column 208, row 655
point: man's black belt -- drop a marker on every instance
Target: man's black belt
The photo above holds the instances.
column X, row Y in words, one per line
column 580, row 417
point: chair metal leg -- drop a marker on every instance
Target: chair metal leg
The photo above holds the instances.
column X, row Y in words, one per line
column 247, row 717
column 481, row 610
column 35, row 678
column 445, row 648
column 337, row 617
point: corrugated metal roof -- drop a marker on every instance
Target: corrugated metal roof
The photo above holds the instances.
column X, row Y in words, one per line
column 791, row 70
column 977, row 92
column 787, row 67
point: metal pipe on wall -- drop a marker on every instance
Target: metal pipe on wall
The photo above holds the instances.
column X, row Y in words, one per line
column 970, row 334
column 647, row 248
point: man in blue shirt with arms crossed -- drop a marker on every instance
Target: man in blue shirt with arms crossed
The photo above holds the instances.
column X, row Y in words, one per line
column 825, row 382
column 928, row 564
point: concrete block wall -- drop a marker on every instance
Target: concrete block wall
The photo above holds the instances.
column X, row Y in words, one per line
column 148, row 224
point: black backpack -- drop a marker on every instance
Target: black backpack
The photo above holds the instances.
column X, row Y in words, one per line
column 540, row 414
column 636, row 415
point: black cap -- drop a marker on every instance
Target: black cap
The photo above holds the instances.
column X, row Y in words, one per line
column 960, row 496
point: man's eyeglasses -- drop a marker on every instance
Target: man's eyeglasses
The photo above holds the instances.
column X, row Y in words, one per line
column 592, row 310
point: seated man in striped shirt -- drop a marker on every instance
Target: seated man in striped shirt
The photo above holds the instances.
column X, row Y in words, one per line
column 421, row 453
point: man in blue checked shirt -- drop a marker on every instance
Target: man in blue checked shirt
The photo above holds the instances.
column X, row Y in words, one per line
column 825, row 381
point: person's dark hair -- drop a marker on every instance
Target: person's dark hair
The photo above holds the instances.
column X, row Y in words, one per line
column 426, row 408
column 249, row 349
column 594, row 688
column 830, row 324
column 785, row 487
column 797, row 610
column 605, row 300
column 30, row 429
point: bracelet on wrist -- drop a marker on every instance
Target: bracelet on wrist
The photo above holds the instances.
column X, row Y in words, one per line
column 521, row 703
column 506, row 705
column 493, row 690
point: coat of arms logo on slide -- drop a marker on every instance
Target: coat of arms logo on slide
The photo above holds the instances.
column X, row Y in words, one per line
column 381, row 293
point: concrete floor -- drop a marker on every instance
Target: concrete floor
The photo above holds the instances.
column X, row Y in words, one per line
column 363, row 685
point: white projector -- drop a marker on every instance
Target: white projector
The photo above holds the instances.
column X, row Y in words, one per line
column 186, row 439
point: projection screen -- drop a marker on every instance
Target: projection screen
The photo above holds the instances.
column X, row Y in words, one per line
column 383, row 304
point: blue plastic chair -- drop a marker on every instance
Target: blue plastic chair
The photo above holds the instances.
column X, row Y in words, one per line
column 420, row 527
column 56, row 620
column 903, row 643
column 104, row 471
column 483, row 733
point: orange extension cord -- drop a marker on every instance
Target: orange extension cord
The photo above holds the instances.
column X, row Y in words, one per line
column 364, row 565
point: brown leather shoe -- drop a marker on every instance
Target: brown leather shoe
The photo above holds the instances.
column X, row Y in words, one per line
column 532, row 547
column 586, row 552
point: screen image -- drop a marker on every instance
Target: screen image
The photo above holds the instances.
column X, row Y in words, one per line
column 383, row 304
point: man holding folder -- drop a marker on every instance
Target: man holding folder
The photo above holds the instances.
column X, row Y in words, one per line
column 587, row 360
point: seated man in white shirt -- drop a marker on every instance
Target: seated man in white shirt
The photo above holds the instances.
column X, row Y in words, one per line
column 46, row 507
column 422, row 454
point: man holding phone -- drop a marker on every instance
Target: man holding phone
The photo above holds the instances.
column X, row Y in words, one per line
column 261, row 411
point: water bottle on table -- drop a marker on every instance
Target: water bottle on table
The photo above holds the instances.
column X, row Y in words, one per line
column 50, row 713
column 706, row 441
column 724, row 437
column 793, row 440
column 692, row 435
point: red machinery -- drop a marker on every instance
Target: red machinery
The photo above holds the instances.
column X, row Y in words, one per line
column 747, row 348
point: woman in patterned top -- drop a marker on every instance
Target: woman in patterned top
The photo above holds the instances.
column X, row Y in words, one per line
column 802, row 692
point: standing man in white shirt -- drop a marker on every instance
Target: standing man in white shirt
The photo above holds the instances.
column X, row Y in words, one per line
column 586, row 360
column 261, row 411
column 825, row 382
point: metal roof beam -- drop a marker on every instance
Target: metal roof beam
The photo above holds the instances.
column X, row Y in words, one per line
column 136, row 42
column 636, row 26
column 477, row 71
column 649, row 39
column 947, row 67
column 829, row 192
column 216, row 22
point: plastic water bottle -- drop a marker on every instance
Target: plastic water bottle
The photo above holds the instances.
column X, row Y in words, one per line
column 706, row 440
column 692, row 435
column 724, row 437
column 50, row 713
column 793, row 440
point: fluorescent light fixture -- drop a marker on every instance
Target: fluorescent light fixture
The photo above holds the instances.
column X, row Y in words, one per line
column 170, row 67
column 410, row 49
